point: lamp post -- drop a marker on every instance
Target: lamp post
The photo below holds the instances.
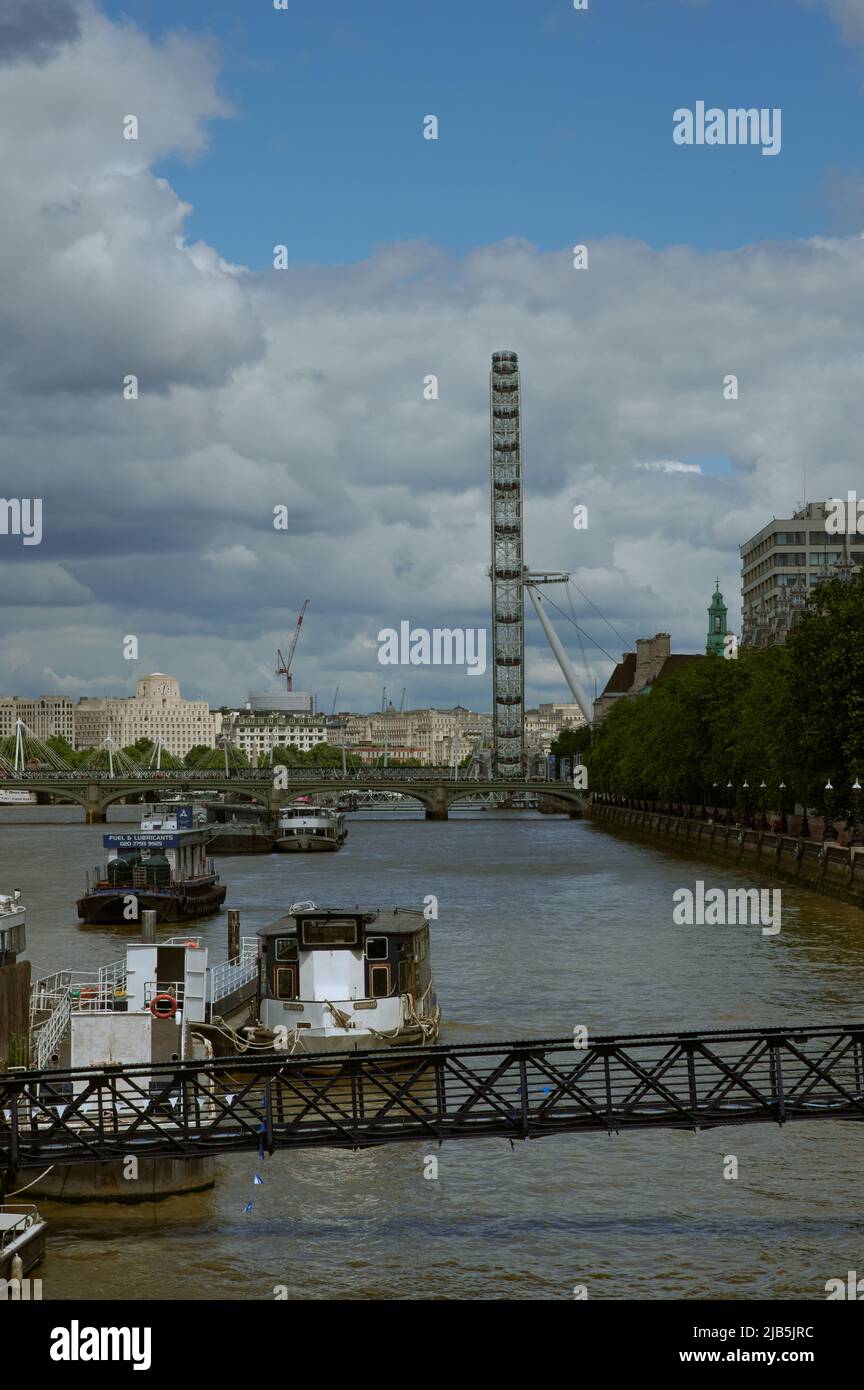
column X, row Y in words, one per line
column 728, row 800
column 223, row 740
column 763, row 819
column 853, row 834
column 745, row 786
column 784, row 824
column 804, row 832
column 829, row 831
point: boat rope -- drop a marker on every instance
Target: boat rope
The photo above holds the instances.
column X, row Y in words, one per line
column 342, row 1019
column 19, row 1190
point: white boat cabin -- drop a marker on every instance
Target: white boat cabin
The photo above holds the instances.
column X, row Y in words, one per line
column 333, row 976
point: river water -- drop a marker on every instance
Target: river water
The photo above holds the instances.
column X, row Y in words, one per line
column 544, row 923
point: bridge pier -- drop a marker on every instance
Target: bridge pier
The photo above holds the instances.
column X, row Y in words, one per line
column 94, row 810
column 438, row 810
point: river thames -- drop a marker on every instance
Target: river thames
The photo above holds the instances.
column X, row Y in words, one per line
column 544, row 924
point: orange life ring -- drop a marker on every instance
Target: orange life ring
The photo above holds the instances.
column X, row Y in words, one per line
column 158, row 1002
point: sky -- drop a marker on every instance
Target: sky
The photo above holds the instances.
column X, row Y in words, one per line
column 303, row 387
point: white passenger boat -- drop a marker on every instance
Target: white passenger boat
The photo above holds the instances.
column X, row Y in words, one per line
column 310, row 828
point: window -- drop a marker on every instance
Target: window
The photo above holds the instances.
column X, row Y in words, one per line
column 379, row 981
column 332, row 933
column 286, row 981
column 286, row 948
column 376, row 948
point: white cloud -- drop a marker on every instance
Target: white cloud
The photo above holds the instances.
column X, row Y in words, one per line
column 670, row 466
column 305, row 388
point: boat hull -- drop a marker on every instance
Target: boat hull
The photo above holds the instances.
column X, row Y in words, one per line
column 107, row 909
column 306, row 844
column 30, row 1250
column 235, row 842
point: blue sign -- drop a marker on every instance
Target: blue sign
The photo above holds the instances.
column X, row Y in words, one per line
column 184, row 817
column 141, row 839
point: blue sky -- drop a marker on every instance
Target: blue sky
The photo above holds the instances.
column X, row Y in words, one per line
column 555, row 125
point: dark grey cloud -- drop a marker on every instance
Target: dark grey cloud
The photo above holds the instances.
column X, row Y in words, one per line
column 32, row 30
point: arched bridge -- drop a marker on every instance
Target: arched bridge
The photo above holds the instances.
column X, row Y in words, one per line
column 434, row 790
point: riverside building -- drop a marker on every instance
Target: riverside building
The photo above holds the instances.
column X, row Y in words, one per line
column 782, row 563
column 49, row 716
column 156, row 711
column 260, row 734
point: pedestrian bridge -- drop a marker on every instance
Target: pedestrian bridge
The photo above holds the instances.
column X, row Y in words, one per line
column 512, row 1090
column 434, row 790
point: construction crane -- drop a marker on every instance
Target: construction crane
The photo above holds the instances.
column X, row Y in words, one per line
column 335, row 698
column 283, row 667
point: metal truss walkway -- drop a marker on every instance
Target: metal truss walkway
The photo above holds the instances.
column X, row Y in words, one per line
column 515, row 1090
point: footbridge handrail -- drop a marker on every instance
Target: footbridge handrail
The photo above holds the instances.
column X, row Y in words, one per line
column 528, row 1088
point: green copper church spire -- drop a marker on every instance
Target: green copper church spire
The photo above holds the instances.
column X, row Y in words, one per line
column 716, row 623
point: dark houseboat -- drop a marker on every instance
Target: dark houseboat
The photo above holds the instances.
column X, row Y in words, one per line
column 339, row 980
column 166, row 870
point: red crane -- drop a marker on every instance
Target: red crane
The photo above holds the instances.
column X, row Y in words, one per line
column 284, row 667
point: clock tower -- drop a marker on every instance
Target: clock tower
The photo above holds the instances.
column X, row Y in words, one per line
column 716, row 623
column 158, row 687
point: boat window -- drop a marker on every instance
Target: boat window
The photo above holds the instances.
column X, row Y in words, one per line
column 286, row 948
column 286, row 981
column 339, row 932
column 379, row 981
column 377, row 948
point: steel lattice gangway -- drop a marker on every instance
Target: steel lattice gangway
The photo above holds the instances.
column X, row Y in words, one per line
column 515, row 1090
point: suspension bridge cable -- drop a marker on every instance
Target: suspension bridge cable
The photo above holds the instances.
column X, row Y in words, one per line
column 599, row 614
column 582, row 652
column 591, row 639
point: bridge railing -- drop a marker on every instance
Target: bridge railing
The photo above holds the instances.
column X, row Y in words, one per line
column 529, row 1089
column 266, row 775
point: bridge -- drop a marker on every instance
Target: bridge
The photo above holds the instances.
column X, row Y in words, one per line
column 512, row 1090
column 434, row 790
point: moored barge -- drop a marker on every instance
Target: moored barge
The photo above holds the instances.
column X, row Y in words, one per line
column 340, row 980
column 167, row 871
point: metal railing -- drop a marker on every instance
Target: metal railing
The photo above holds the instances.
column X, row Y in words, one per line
column 138, row 878
column 48, row 1037
column 516, row 1090
column 28, row 1216
column 225, row 978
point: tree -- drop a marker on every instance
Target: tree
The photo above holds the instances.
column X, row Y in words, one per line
column 792, row 714
column 571, row 742
column 196, row 753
